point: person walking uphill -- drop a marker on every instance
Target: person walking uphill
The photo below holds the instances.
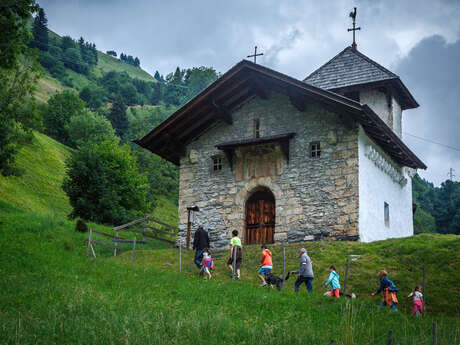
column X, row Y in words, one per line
column 200, row 243
column 235, row 242
column 305, row 272
column 266, row 264
column 389, row 289
column 334, row 282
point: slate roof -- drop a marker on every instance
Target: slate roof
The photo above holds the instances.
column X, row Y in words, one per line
column 352, row 68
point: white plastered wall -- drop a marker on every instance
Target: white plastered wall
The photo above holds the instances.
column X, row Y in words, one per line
column 377, row 187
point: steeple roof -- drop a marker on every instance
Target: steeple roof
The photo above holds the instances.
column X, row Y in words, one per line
column 351, row 68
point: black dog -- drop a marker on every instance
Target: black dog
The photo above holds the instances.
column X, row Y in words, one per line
column 273, row 280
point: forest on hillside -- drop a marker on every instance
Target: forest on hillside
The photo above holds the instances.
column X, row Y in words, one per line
column 438, row 208
column 110, row 179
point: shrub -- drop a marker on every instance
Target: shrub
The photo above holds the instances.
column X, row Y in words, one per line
column 61, row 107
column 86, row 127
column 104, row 184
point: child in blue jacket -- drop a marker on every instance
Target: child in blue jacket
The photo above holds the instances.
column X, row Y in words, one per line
column 333, row 281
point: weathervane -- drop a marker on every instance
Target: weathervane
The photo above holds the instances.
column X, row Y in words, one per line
column 255, row 55
column 353, row 16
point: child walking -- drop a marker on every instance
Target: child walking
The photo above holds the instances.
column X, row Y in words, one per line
column 235, row 242
column 418, row 300
column 389, row 289
column 266, row 264
column 207, row 264
column 334, row 282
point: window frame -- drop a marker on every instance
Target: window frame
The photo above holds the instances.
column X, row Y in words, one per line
column 217, row 164
column 256, row 128
column 315, row 149
column 386, row 214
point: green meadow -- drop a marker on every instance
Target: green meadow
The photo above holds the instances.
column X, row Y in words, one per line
column 52, row 293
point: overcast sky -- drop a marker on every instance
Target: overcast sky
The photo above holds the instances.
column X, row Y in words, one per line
column 416, row 39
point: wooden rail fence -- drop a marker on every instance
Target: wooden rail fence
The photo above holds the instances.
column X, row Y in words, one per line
column 140, row 226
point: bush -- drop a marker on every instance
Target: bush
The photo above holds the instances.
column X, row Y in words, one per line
column 104, row 184
column 61, row 107
column 88, row 128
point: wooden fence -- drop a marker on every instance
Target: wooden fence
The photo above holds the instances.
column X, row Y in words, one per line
column 142, row 226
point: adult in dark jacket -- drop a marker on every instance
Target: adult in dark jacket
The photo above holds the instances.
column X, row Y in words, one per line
column 305, row 272
column 200, row 243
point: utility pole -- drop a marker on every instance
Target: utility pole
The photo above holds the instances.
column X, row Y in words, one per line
column 451, row 174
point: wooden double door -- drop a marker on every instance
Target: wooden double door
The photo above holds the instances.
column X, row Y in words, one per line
column 260, row 218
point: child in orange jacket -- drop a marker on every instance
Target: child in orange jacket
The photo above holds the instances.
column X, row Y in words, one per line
column 266, row 264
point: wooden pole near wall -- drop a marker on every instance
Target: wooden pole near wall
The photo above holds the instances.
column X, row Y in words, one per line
column 180, row 257
column 346, row 277
column 189, row 225
column 284, row 266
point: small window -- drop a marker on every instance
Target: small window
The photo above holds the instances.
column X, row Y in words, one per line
column 386, row 211
column 217, row 164
column 257, row 128
column 315, row 150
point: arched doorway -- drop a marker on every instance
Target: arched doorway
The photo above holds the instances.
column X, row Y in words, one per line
column 260, row 217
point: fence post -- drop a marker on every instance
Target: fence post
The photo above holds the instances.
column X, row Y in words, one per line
column 423, row 290
column 89, row 241
column 134, row 250
column 116, row 243
column 234, row 262
column 346, row 277
column 435, row 333
column 284, row 266
column 180, row 257
column 143, row 239
column 390, row 337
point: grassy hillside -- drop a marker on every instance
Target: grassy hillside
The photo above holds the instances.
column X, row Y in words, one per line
column 39, row 188
column 108, row 63
column 51, row 293
column 47, row 86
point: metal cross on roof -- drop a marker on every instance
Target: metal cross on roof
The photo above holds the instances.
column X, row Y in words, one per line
column 354, row 29
column 255, row 55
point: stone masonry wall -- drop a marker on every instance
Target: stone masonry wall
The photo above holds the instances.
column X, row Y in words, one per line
column 315, row 197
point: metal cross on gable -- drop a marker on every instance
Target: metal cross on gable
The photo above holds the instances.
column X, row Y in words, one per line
column 255, row 55
column 354, row 29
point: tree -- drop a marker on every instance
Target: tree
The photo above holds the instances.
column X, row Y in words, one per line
column 40, row 31
column 61, row 108
column 197, row 79
column 87, row 128
column 111, row 53
column 93, row 96
column 67, row 42
column 118, row 118
column 137, row 62
column 104, row 184
column 14, row 32
column 158, row 77
column 19, row 72
column 129, row 94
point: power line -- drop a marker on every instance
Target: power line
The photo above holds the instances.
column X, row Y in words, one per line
column 433, row 142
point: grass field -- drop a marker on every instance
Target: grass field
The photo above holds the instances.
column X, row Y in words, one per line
column 52, row 293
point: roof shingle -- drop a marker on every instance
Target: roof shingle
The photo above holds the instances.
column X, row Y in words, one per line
column 347, row 68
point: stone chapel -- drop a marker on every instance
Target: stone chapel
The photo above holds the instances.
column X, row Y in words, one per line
column 285, row 160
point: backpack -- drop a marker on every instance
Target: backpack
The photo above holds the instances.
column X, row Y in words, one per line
column 209, row 263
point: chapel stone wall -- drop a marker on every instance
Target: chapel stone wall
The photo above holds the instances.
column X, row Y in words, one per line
column 316, row 198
